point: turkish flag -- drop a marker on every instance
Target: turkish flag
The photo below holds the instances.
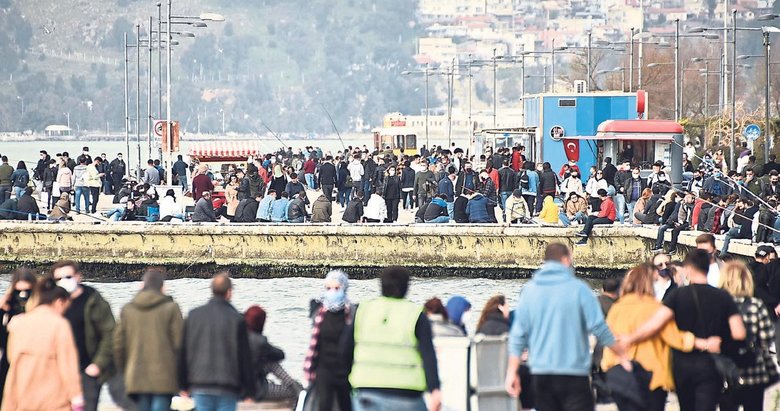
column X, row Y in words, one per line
column 572, row 149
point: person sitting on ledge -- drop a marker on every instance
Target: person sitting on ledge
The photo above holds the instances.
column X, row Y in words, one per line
column 606, row 215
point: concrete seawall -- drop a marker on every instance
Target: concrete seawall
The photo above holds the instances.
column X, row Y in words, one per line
column 119, row 251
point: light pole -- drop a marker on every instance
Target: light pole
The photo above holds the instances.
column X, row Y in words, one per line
column 543, row 76
column 622, row 71
column 590, row 37
column 631, row 63
column 127, row 114
column 469, row 82
column 138, row 93
column 425, row 72
column 495, row 88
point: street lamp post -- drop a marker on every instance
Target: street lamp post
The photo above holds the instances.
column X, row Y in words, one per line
column 631, row 63
column 169, row 97
column 495, row 94
column 590, row 37
column 127, row 114
column 732, row 146
column 149, row 93
column 677, row 69
column 138, row 93
column 427, row 142
column 469, row 82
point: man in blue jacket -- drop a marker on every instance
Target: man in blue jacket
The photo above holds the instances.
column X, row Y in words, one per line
column 555, row 314
column 447, row 187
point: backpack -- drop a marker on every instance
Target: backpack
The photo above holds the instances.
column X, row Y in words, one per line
column 23, row 180
column 524, row 180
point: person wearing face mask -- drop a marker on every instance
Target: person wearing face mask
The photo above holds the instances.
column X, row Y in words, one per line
column 327, row 365
column 117, row 169
column 696, row 183
column 459, row 311
column 93, row 324
column 663, row 282
column 391, row 192
column 572, row 184
column 12, row 303
column 488, row 189
column 44, row 372
column 632, row 189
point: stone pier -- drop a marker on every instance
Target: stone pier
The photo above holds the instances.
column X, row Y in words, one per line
column 119, row 251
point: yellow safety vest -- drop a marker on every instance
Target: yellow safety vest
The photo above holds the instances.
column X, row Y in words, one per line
column 386, row 353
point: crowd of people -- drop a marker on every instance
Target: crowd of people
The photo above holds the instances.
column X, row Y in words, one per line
column 703, row 327
column 439, row 186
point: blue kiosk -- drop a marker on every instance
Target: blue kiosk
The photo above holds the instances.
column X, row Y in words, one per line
column 560, row 121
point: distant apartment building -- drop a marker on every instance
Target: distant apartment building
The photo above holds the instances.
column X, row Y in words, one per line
column 438, row 50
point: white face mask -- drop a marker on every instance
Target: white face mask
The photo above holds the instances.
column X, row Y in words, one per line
column 466, row 317
column 69, row 284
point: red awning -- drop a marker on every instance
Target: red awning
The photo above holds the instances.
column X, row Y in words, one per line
column 653, row 130
column 228, row 149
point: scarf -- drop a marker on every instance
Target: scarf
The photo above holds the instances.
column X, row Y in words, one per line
column 312, row 354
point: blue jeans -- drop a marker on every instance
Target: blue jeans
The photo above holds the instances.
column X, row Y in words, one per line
column 116, row 213
column 439, row 220
column 776, row 234
column 630, row 205
column 184, row 184
column 733, row 232
column 153, row 402
column 82, row 191
column 19, row 191
column 343, row 196
column 451, row 210
column 620, row 204
column 579, row 217
column 366, row 189
column 378, row 401
column 502, row 204
column 309, row 181
column 208, row 402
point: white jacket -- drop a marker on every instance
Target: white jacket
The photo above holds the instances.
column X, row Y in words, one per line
column 169, row 207
column 594, row 186
column 376, row 208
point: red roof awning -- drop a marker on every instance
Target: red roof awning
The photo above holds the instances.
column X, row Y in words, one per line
column 652, row 130
column 640, row 126
column 225, row 149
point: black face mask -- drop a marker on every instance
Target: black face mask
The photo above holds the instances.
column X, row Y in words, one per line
column 664, row 272
column 18, row 300
column 697, row 178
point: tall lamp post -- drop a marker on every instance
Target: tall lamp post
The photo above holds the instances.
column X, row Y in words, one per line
column 189, row 20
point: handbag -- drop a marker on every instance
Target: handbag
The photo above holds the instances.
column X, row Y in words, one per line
column 726, row 367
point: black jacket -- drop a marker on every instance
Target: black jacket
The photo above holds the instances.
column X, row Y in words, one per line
column 215, row 354
column 507, row 180
column 620, row 180
column 628, row 185
column 296, row 209
column 354, row 211
column 327, row 174
column 495, row 324
column 26, row 206
column 263, row 356
column 391, row 188
column 609, row 174
column 246, row 212
column 434, row 210
column 407, row 178
column 548, row 182
column 459, row 212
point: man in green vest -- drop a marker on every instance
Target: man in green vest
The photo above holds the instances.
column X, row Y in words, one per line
column 394, row 360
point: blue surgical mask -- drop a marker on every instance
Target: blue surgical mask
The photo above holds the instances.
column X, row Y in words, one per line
column 333, row 300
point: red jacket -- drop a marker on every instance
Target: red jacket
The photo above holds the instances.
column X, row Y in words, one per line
column 607, row 209
column 309, row 167
column 517, row 161
column 494, row 176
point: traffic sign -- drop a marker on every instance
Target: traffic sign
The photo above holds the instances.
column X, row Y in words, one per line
column 752, row 132
column 158, row 127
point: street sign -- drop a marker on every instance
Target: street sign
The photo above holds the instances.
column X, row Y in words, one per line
column 158, row 127
column 752, row 132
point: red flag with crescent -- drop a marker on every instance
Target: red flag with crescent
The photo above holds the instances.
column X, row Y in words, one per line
column 572, row 149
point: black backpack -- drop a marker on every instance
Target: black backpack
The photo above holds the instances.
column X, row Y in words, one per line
column 524, row 181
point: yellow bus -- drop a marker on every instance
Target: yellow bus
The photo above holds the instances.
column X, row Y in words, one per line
column 401, row 140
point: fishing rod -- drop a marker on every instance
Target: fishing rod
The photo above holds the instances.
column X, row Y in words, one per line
column 334, row 126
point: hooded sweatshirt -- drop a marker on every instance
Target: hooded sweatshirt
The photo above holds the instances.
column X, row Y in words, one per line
column 549, row 213
column 555, row 314
column 456, row 307
column 147, row 342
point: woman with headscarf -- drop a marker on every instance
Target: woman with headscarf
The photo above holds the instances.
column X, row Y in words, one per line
column 327, row 366
column 231, row 196
column 458, row 309
column 201, row 182
column 266, row 360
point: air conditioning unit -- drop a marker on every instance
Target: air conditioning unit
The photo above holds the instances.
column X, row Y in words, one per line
column 580, row 87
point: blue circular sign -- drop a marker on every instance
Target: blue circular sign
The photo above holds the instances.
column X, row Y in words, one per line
column 752, row 132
